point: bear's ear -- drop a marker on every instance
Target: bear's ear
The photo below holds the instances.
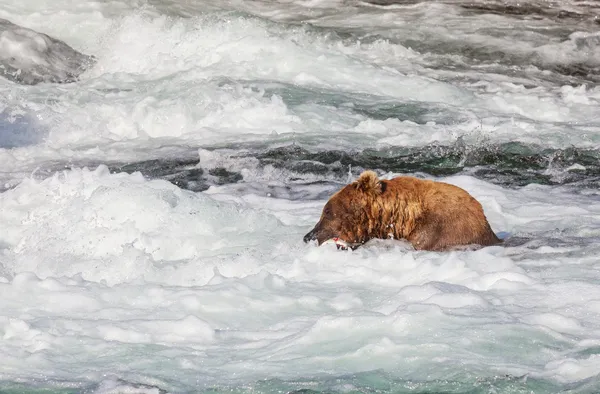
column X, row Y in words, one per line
column 368, row 182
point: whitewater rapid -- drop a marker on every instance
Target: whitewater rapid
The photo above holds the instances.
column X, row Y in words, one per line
column 152, row 211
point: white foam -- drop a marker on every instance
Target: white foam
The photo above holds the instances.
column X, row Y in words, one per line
column 105, row 230
column 115, row 258
column 189, row 88
column 573, row 370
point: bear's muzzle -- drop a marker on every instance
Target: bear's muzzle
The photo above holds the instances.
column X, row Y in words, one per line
column 310, row 236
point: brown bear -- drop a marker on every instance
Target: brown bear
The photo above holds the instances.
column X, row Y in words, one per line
column 430, row 215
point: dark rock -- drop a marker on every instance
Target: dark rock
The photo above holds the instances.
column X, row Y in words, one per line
column 28, row 57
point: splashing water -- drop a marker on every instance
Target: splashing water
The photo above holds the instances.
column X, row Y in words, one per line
column 152, row 211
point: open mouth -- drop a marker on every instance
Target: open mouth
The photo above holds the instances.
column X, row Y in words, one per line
column 341, row 244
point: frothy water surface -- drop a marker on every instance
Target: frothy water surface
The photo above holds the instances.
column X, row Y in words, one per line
column 152, row 211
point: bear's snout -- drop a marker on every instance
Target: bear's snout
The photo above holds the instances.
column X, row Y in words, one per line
column 310, row 236
column 320, row 233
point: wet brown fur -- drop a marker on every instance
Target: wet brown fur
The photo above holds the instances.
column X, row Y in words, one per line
column 430, row 215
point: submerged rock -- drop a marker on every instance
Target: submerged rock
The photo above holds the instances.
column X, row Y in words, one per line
column 29, row 57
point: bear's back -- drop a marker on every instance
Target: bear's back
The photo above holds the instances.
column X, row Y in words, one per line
column 447, row 215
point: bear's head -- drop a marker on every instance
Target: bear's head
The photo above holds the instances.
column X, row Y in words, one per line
column 348, row 214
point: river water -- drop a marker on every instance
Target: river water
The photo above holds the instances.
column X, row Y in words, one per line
column 152, row 212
